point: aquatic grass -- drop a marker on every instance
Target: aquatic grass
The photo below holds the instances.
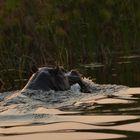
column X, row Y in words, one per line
column 66, row 32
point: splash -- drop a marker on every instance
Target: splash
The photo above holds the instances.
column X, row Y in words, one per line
column 27, row 102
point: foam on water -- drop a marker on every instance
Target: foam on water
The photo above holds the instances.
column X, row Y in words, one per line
column 23, row 104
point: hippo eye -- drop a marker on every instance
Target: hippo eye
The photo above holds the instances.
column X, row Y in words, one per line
column 75, row 73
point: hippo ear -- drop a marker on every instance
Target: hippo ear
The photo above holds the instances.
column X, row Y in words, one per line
column 63, row 70
column 34, row 69
column 56, row 70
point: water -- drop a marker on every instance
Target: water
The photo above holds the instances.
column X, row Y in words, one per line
column 121, row 70
column 110, row 111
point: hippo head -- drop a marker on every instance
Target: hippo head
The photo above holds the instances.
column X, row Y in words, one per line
column 57, row 79
column 47, row 78
column 61, row 82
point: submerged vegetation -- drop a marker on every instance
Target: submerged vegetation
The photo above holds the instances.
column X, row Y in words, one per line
column 64, row 32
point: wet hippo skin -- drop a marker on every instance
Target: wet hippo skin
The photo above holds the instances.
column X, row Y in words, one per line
column 47, row 78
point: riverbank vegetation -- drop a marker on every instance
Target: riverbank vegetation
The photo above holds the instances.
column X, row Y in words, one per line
column 64, row 32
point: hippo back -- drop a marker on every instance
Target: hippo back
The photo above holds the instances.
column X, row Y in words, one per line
column 48, row 79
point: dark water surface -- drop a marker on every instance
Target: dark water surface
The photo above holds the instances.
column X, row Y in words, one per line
column 121, row 70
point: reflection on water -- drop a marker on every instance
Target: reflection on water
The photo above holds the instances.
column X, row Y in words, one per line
column 113, row 116
column 122, row 70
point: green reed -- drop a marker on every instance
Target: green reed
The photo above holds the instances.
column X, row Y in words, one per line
column 65, row 32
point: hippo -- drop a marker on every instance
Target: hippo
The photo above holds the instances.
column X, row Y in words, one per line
column 48, row 78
